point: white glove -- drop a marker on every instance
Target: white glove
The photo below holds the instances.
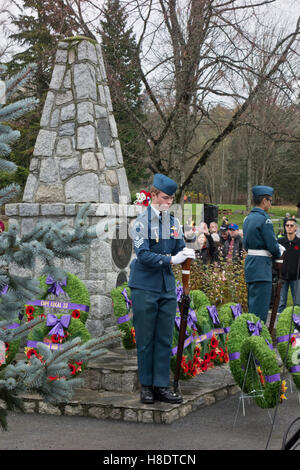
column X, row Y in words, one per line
column 282, row 249
column 183, row 255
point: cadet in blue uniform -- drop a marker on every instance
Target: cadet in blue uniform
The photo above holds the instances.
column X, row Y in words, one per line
column 158, row 243
column 261, row 244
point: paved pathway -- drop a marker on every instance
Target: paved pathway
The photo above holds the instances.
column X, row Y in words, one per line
column 209, row 428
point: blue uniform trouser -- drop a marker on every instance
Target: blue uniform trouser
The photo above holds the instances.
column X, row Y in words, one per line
column 153, row 321
column 295, row 290
column 259, row 298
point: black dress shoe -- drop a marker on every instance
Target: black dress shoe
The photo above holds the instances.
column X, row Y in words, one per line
column 165, row 394
column 147, row 394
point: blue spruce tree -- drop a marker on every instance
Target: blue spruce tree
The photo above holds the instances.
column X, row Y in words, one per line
column 10, row 111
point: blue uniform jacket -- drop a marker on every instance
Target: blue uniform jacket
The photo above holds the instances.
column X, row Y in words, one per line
column 258, row 234
column 154, row 244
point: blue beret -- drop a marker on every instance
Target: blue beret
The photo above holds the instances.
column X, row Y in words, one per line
column 164, row 184
column 262, row 191
column 233, row 227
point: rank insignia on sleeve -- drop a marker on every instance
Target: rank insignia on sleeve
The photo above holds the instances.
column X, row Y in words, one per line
column 138, row 242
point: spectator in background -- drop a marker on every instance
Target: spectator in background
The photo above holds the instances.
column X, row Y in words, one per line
column 213, row 230
column 205, row 248
column 233, row 246
column 225, row 220
column 290, row 267
column 202, row 228
column 224, row 234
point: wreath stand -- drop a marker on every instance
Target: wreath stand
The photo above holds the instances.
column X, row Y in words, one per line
column 252, row 394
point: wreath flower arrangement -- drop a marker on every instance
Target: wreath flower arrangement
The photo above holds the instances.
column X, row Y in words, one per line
column 211, row 334
column 72, row 286
column 204, row 347
column 229, row 312
column 55, row 333
column 143, row 198
column 289, row 345
column 248, row 335
column 123, row 313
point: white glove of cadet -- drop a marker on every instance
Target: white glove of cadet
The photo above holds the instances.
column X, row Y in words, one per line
column 183, row 255
column 282, row 249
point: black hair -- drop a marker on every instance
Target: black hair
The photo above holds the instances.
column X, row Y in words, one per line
column 258, row 199
column 290, row 219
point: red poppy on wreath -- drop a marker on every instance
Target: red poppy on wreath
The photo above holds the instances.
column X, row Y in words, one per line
column 53, row 378
column 30, row 317
column 29, row 310
column 214, row 342
column 203, row 366
column 76, row 313
column 6, row 346
column 213, row 355
column 293, row 341
column 206, row 357
column 143, row 198
column 73, row 369
column 56, row 338
column 42, row 315
column 30, row 352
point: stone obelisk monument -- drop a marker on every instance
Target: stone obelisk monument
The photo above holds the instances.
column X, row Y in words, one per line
column 77, row 159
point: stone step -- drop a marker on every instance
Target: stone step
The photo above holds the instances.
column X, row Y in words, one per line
column 204, row 390
column 110, row 390
column 116, row 371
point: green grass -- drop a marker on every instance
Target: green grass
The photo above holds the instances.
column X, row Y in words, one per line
column 276, row 212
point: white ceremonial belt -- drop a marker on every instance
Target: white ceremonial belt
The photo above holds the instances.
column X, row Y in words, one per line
column 259, row 253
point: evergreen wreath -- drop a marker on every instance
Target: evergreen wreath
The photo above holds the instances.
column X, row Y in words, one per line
column 215, row 345
column 76, row 290
column 40, row 334
column 190, row 362
column 199, row 299
column 228, row 312
column 286, row 341
column 123, row 313
column 248, row 334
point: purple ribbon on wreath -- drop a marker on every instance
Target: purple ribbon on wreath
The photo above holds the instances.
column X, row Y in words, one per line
column 56, row 286
column 191, row 320
column 296, row 320
column 213, row 314
column 254, row 328
column 236, row 310
column 127, row 300
column 58, row 324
